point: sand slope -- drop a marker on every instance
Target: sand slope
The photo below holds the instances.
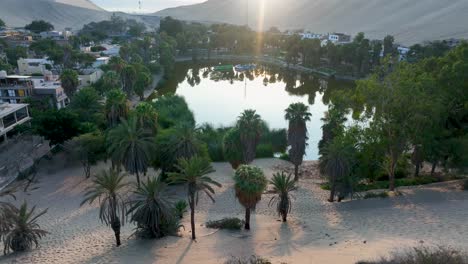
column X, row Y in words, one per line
column 408, row 20
column 61, row 13
column 317, row 231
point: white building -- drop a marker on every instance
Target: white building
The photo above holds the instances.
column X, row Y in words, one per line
column 12, row 115
column 89, row 76
column 403, row 53
column 100, row 61
column 311, row 36
column 34, row 66
column 55, row 35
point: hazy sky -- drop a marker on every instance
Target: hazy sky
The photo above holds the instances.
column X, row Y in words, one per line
column 146, row 5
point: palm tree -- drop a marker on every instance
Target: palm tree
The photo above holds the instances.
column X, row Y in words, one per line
column 116, row 107
column 297, row 114
column 336, row 163
column 127, row 77
column 250, row 183
column 108, row 188
column 282, row 186
column 146, row 116
column 131, row 147
column 143, row 81
column 87, row 104
column 70, row 82
column 25, row 231
column 194, row 172
column 150, row 208
column 250, row 125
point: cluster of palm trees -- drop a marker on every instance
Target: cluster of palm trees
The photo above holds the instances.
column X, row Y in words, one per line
column 130, row 146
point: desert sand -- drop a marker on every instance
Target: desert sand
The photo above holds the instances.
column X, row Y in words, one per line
column 316, row 232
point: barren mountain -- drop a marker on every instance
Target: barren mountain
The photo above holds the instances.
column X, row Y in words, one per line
column 61, row 13
column 409, row 21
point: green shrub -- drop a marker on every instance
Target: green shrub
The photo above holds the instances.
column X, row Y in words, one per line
column 232, row 147
column 277, row 138
column 180, row 208
column 233, row 223
column 173, row 110
column 284, row 156
column 424, row 255
column 213, row 138
column 465, row 185
column 252, row 260
column 264, row 151
column 371, row 195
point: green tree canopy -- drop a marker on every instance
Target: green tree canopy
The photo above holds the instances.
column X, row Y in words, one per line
column 38, row 26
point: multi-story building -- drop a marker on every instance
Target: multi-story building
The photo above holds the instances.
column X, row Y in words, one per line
column 12, row 115
column 34, row 66
column 14, row 89
column 50, row 88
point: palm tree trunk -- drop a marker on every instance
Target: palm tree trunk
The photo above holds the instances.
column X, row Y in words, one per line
column 434, row 165
column 116, row 228
column 115, row 225
column 296, row 172
column 284, row 215
column 247, row 219
column 416, row 169
column 332, row 193
column 138, row 178
column 391, row 176
column 192, row 215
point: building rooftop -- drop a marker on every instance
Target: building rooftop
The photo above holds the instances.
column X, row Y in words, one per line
column 18, row 77
column 6, row 109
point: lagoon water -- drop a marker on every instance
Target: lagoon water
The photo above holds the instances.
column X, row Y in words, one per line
column 219, row 97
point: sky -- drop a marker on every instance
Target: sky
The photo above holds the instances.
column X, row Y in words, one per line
column 147, row 6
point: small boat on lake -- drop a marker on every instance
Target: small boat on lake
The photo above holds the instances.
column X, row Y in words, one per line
column 245, row 67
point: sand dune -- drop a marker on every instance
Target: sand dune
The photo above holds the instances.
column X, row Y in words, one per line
column 61, row 13
column 408, row 20
column 317, row 231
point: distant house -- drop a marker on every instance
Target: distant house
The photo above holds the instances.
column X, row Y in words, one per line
column 87, row 77
column 100, row 61
column 14, row 89
column 56, row 35
column 403, row 53
column 311, row 36
column 12, row 115
column 50, row 88
column 34, row 66
column 339, row 38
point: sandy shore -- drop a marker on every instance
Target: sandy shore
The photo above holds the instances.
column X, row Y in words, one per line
column 317, row 231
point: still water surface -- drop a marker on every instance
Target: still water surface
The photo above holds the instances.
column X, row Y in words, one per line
column 219, row 97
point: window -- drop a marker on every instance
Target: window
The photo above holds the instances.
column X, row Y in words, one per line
column 11, row 93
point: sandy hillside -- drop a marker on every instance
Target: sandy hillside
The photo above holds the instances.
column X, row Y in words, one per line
column 317, row 232
column 408, row 20
column 61, row 13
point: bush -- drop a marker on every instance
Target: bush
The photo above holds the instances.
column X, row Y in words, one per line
column 465, row 185
column 371, row 195
column 180, row 208
column 252, row 260
column 213, row 138
column 233, row 223
column 284, row 156
column 232, row 147
column 264, row 151
column 277, row 138
column 424, row 255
